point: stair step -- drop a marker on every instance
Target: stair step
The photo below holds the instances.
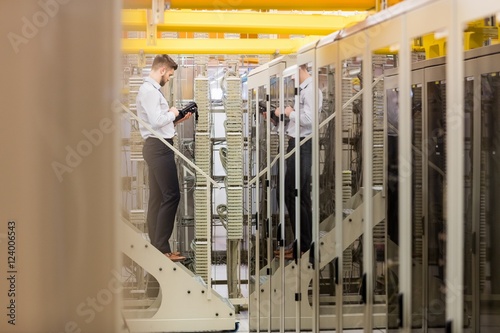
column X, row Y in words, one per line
column 137, row 291
column 352, row 308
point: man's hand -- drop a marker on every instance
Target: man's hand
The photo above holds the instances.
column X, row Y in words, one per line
column 186, row 116
column 277, row 112
column 174, row 110
column 288, row 110
column 264, row 114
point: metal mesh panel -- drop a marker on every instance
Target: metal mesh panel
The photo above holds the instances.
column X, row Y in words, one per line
column 378, row 157
column 234, row 164
column 136, row 144
column 418, row 204
column 137, row 216
column 483, row 237
column 201, row 249
column 134, row 83
column 378, row 134
column 234, row 212
column 202, row 212
column 203, row 156
column 347, row 93
column 233, row 105
column 201, row 97
column 346, row 185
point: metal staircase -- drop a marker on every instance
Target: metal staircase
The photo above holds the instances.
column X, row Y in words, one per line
column 184, row 302
column 353, row 228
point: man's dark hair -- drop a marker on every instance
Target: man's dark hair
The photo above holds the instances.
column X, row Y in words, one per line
column 164, row 60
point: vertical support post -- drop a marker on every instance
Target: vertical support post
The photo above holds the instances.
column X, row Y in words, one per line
column 281, row 204
column 140, row 183
column 454, row 170
column 315, row 194
column 154, row 17
column 339, row 243
column 151, row 29
column 405, row 179
column 233, row 264
column 269, row 216
column 298, row 308
column 209, row 239
column 257, row 196
column 476, row 208
column 185, row 172
column 158, row 7
column 247, row 151
column 368, row 182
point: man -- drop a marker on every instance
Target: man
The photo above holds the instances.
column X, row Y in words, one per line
column 164, row 193
column 305, row 115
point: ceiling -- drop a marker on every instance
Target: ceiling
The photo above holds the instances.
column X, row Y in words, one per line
column 236, row 26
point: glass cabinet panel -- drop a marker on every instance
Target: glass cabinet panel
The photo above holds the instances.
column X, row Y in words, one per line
column 489, row 226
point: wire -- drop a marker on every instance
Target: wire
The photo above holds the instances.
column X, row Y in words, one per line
column 223, row 157
column 222, row 213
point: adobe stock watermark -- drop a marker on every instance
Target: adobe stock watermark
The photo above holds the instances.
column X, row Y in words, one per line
column 88, row 309
column 91, row 139
column 85, row 147
column 31, row 25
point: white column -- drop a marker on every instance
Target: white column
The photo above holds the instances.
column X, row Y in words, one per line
column 454, row 170
column 339, row 243
column 405, row 178
column 368, row 182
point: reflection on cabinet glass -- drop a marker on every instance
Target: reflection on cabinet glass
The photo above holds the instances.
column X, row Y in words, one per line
column 436, row 195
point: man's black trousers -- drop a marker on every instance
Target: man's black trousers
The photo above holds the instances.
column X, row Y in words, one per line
column 164, row 193
column 305, row 192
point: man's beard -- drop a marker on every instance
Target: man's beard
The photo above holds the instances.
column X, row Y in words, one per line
column 162, row 81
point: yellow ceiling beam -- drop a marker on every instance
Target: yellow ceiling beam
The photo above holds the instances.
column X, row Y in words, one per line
column 216, row 46
column 241, row 22
column 262, row 4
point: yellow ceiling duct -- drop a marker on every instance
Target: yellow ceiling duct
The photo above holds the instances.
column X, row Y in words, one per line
column 262, row 4
column 241, row 22
column 216, row 46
